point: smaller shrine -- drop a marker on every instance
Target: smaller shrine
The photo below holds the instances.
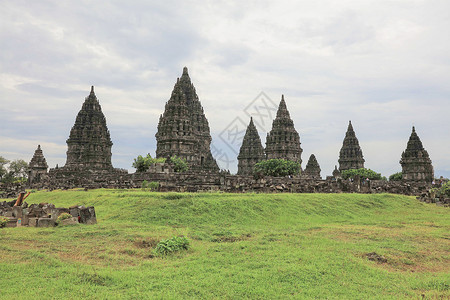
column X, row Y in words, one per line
column 415, row 161
column 251, row 151
column 312, row 169
column 37, row 168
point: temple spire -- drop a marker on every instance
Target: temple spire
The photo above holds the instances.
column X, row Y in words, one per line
column 350, row 156
column 251, row 151
column 283, row 141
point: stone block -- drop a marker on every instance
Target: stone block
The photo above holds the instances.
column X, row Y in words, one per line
column 32, row 222
column 87, row 215
column 74, row 211
column 12, row 222
column 70, row 221
column 17, row 212
column 46, row 222
column 54, row 213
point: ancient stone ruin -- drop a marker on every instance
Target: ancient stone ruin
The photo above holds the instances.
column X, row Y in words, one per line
column 89, row 144
column 312, row 169
column 19, row 213
column 283, row 141
column 183, row 129
column 350, row 156
column 37, row 168
column 251, row 151
column 415, row 161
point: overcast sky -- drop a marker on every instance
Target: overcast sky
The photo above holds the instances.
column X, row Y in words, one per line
column 384, row 65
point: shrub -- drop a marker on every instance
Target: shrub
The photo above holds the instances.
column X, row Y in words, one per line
column 443, row 191
column 142, row 163
column 3, row 221
column 63, row 216
column 362, row 173
column 144, row 185
column 396, row 176
column 152, row 186
column 277, row 168
column 179, row 164
column 172, row 245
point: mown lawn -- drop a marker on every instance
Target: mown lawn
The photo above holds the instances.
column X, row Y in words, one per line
column 265, row 246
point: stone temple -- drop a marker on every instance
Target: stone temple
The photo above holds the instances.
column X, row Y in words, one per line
column 415, row 161
column 37, row 168
column 283, row 141
column 350, row 156
column 183, row 129
column 89, row 143
column 312, row 169
column 251, row 151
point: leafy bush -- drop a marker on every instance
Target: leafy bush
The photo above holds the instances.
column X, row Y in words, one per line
column 62, row 217
column 3, row 221
column 362, row 173
column 396, row 177
column 277, row 168
column 172, row 245
column 152, row 186
column 443, row 191
column 179, row 164
column 141, row 163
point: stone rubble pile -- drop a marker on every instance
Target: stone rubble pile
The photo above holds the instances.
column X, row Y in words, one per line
column 44, row 214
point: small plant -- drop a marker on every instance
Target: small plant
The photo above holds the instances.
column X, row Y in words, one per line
column 172, row 245
column 3, row 221
column 362, row 173
column 153, row 186
column 276, row 168
column 396, row 176
column 62, row 217
column 144, row 185
column 179, row 164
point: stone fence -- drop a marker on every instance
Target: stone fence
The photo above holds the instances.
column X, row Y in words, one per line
column 197, row 182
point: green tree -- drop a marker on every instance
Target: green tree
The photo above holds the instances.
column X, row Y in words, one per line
column 141, row 164
column 396, row 176
column 362, row 173
column 277, row 168
column 18, row 168
column 3, row 170
column 179, row 164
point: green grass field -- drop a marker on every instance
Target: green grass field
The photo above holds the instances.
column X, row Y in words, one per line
column 265, row 246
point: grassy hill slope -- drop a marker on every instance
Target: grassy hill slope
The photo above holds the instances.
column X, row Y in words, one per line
column 242, row 245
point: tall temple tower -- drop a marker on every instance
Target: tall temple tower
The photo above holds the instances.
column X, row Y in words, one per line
column 251, row 151
column 283, row 140
column 183, row 129
column 37, row 168
column 415, row 161
column 350, row 156
column 89, row 143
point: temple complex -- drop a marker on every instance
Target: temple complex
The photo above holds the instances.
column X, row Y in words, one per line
column 415, row 161
column 183, row 129
column 89, row 143
column 312, row 169
column 251, row 151
column 283, row 141
column 350, row 156
column 37, row 168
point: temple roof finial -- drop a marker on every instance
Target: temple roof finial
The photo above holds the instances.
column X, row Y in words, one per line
column 414, row 129
column 92, row 89
column 185, row 71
